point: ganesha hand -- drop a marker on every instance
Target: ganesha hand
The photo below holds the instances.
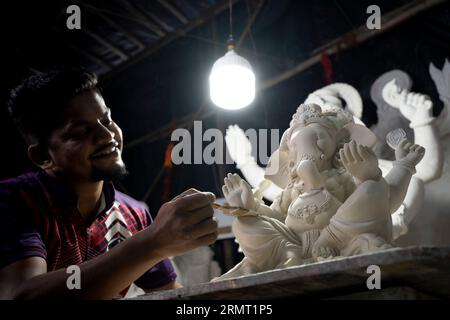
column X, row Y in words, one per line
column 408, row 154
column 415, row 107
column 238, row 193
column 324, row 248
column 360, row 161
column 238, row 146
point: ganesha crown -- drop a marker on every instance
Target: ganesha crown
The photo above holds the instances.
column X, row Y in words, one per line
column 307, row 113
column 312, row 113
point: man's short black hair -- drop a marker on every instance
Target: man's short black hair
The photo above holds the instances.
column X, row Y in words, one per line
column 38, row 102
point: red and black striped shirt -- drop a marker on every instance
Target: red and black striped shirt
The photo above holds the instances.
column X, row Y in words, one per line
column 39, row 217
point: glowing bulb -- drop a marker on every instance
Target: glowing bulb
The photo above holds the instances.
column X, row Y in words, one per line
column 232, row 82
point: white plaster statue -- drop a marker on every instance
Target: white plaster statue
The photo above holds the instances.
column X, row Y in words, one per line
column 330, row 97
column 196, row 266
column 334, row 199
column 430, row 187
column 431, row 225
column 441, row 79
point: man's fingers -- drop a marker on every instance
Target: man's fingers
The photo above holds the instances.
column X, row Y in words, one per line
column 203, row 228
column 207, row 239
column 195, row 216
column 195, row 201
column 185, row 193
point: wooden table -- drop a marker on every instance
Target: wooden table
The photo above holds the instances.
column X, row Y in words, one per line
column 406, row 273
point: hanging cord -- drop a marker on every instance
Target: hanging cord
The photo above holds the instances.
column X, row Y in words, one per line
column 231, row 18
column 230, row 43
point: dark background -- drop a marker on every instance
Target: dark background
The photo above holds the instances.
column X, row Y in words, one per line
column 163, row 88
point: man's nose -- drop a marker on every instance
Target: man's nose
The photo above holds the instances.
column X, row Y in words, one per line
column 104, row 134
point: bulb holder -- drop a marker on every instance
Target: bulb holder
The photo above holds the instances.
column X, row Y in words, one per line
column 231, row 44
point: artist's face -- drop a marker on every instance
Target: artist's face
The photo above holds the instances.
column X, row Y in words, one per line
column 87, row 145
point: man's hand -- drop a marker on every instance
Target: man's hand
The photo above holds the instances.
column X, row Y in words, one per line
column 360, row 161
column 183, row 224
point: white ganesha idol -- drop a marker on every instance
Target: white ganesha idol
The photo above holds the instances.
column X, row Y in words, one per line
column 334, row 200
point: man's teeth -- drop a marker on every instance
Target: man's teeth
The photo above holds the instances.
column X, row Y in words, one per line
column 106, row 152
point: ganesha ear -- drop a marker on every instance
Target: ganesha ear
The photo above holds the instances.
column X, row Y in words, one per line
column 359, row 133
column 277, row 169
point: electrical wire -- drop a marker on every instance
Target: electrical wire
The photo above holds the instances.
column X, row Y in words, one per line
column 231, row 18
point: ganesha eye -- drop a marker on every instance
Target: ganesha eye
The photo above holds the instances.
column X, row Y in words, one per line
column 319, row 136
column 321, row 144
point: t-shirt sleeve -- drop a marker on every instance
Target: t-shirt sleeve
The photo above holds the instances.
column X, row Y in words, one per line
column 160, row 274
column 19, row 237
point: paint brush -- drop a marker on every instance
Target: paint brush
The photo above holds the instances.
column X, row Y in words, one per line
column 229, row 210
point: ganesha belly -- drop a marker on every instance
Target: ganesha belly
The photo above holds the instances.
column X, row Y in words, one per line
column 334, row 202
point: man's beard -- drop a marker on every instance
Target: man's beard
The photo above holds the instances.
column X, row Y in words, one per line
column 116, row 172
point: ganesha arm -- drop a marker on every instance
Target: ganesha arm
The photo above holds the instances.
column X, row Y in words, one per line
column 443, row 120
column 407, row 156
column 272, row 211
column 430, row 168
column 278, row 208
column 398, row 180
column 411, row 204
column 418, row 109
column 240, row 150
column 254, row 174
column 410, row 207
column 441, row 78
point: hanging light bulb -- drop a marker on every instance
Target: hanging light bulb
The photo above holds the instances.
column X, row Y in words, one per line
column 232, row 81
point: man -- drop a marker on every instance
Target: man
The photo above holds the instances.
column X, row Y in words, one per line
column 68, row 213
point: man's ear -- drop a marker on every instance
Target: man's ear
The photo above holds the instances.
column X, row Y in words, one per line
column 40, row 156
column 359, row 133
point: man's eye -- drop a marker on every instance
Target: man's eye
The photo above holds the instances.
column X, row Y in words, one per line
column 78, row 133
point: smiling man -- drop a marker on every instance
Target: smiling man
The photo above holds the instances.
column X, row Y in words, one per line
column 68, row 212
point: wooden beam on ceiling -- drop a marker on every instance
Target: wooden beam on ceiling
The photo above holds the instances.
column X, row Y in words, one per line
column 177, row 13
column 205, row 17
column 389, row 21
column 90, row 56
column 128, row 5
column 160, row 22
column 354, row 38
column 250, row 22
column 131, row 37
column 106, row 43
